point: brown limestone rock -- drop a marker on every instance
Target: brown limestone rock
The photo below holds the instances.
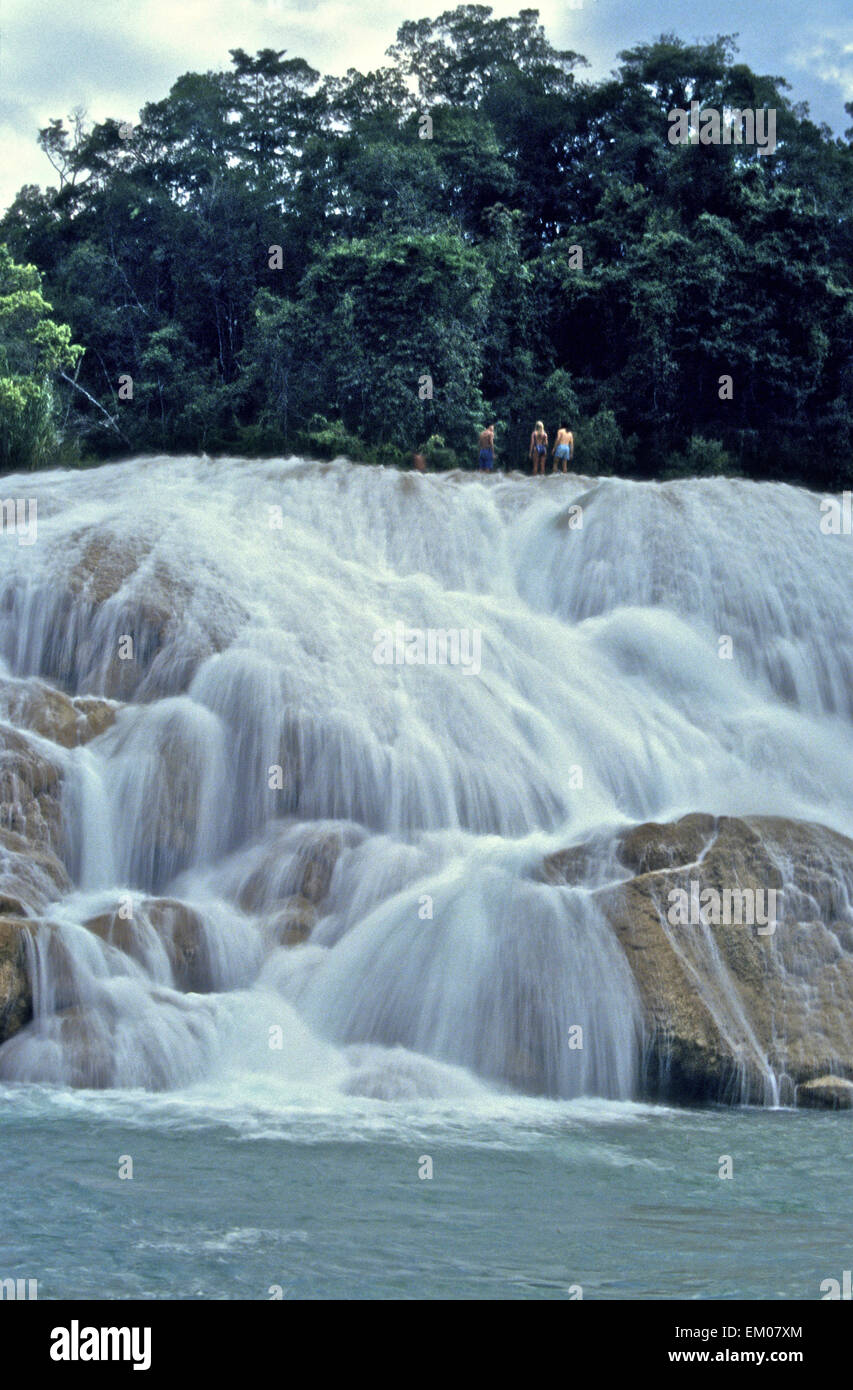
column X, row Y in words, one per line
column 725, row 1004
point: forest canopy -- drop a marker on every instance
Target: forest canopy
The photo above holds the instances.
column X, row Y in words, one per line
column 274, row 261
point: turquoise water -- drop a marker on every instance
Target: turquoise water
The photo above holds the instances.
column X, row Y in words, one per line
column 528, row 1198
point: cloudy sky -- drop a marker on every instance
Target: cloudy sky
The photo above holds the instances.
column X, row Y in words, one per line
column 111, row 58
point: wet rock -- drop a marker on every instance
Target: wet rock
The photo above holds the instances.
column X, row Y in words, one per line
column 76, row 1046
column 647, row 848
column 728, row 1005
column 104, row 563
column 253, row 893
column 61, row 984
column 167, row 785
column 16, row 999
column 182, row 933
column 88, row 1048
column 120, row 932
column 32, row 836
column 320, row 862
column 307, row 873
column 61, row 718
column 31, row 876
column 120, row 587
column 39, row 707
column 94, row 716
column 826, row 1093
column 29, row 946
column 293, row 924
column 177, row 926
column 29, row 790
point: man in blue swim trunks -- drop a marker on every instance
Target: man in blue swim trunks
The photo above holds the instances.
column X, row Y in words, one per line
column 487, row 449
column 564, row 446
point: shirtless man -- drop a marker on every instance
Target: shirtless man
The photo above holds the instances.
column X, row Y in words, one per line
column 487, row 449
column 564, row 446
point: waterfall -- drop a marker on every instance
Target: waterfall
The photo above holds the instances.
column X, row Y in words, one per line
column 291, row 855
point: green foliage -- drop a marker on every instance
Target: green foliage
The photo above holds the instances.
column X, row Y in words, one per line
column 600, row 446
column 33, row 347
column 27, row 431
column 702, row 458
column 556, row 400
column 327, row 439
column 428, row 285
column 438, row 455
column 390, row 336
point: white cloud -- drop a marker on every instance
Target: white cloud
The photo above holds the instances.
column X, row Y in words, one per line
column 832, row 61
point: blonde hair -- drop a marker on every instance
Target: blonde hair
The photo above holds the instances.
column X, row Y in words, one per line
column 540, row 426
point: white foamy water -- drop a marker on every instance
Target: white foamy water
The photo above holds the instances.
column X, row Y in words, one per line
column 437, row 966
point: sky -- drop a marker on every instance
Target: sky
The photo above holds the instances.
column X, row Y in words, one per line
column 112, row 58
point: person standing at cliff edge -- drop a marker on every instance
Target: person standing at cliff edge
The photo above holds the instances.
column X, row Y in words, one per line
column 487, row 449
column 538, row 448
column 564, row 446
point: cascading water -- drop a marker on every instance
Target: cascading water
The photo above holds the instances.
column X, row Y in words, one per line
column 256, row 723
